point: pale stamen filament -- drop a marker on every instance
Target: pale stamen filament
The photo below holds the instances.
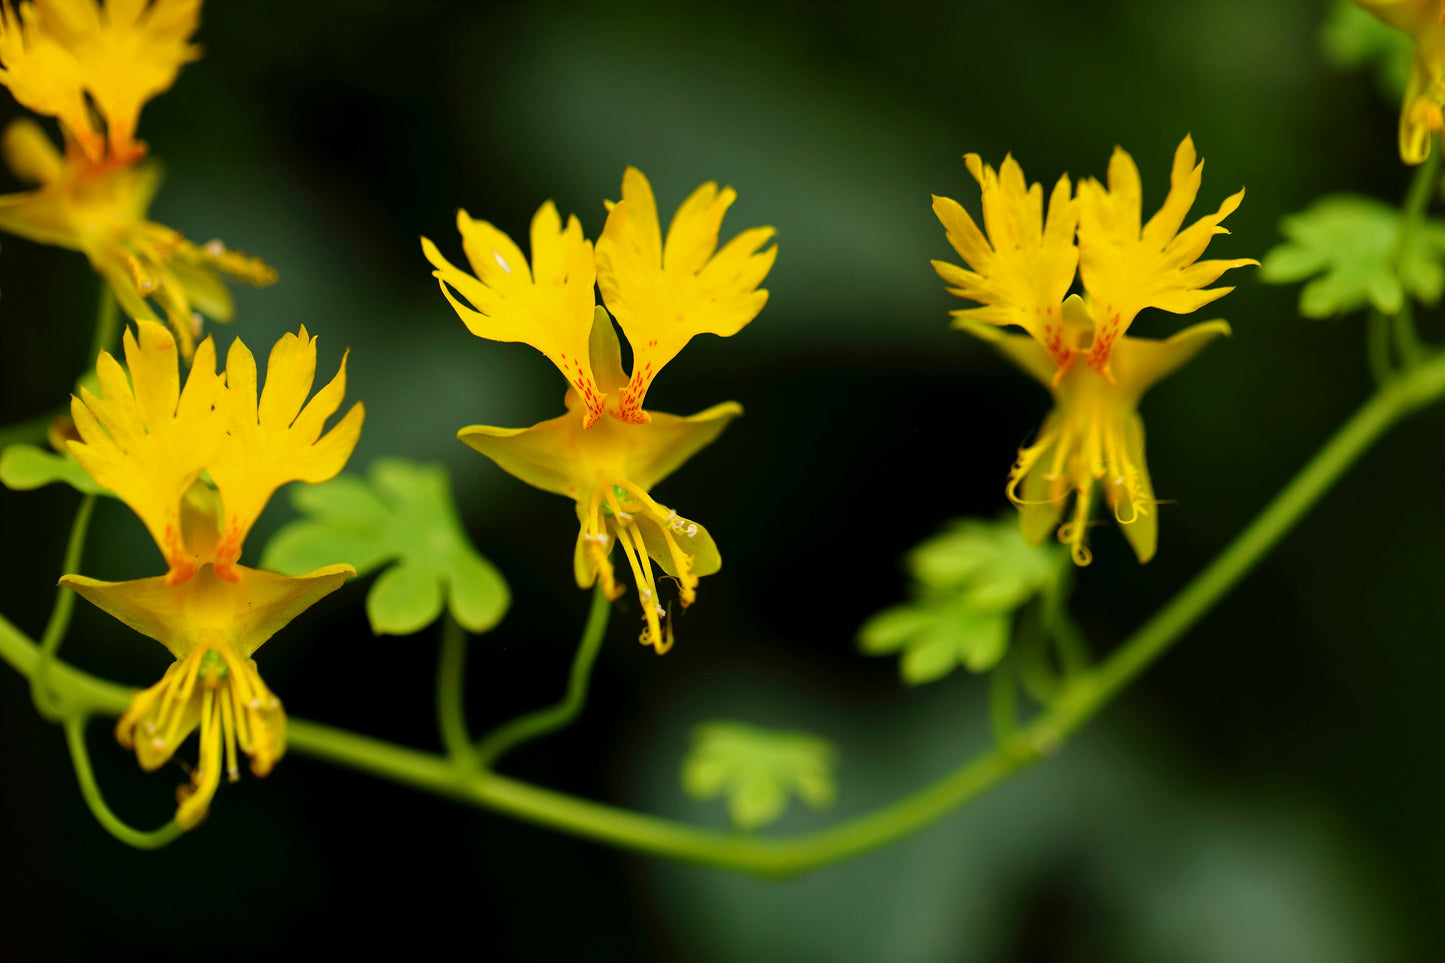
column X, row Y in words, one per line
column 653, row 634
column 228, row 727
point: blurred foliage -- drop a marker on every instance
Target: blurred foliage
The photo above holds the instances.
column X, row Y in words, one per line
column 1353, row 244
column 969, row 581
column 757, row 770
column 24, row 467
column 401, row 517
column 1353, row 38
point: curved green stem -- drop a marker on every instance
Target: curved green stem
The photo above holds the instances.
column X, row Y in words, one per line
column 80, row 756
column 107, row 325
column 1408, row 346
column 1084, row 696
column 451, row 678
column 525, row 728
column 45, row 699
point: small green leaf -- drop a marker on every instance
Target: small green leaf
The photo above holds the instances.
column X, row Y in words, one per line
column 403, row 513
column 934, row 656
column 1352, row 245
column 970, row 580
column 23, row 467
column 758, row 770
column 405, row 599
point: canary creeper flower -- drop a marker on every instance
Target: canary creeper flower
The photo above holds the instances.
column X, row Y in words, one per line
column 1092, row 443
column 59, row 54
column 1422, row 114
column 100, row 211
column 608, row 471
column 665, row 292
column 1021, row 270
column 152, row 441
column 1091, row 446
column 1126, row 268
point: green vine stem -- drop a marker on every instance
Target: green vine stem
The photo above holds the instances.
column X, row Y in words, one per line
column 107, row 326
column 80, row 756
column 1412, row 218
column 451, row 688
column 525, row 728
column 45, row 699
column 1083, row 696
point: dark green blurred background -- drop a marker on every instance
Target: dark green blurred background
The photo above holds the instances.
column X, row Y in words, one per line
column 1270, row 792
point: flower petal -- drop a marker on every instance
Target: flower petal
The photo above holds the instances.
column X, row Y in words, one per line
column 1125, row 268
column 149, row 443
column 542, row 455
column 664, row 294
column 549, row 306
column 276, row 440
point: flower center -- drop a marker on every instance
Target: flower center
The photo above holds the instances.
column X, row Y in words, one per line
column 216, row 690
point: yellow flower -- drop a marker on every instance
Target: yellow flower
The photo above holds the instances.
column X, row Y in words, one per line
column 608, row 470
column 1094, row 437
column 663, row 293
column 58, row 53
column 1126, row 268
column 1022, row 270
column 149, row 439
column 100, row 210
column 1422, row 115
column 1021, row 273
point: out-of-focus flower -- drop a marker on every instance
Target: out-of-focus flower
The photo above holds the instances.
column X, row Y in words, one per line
column 100, row 211
column 63, row 57
column 1422, row 115
column 1021, row 273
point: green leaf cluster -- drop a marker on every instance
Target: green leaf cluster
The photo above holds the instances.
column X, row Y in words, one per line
column 23, row 467
column 401, row 519
column 968, row 583
column 1351, row 246
column 1353, row 38
column 758, row 770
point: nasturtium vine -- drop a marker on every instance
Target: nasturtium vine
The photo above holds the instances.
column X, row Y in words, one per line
column 758, row 770
column 402, row 517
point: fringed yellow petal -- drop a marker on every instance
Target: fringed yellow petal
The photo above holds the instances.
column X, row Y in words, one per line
column 1126, row 268
column 45, row 75
column 1021, row 271
column 277, row 439
column 147, row 440
column 549, row 306
column 664, row 293
column 128, row 51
